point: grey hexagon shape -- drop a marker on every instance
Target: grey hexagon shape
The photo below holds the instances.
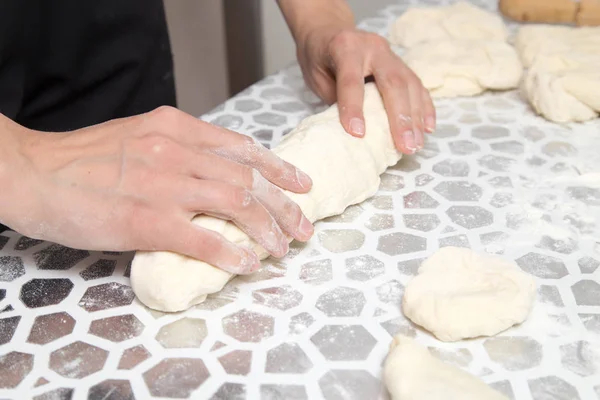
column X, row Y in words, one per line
column 588, row 265
column 397, row 243
column 421, row 222
column 446, row 131
column 228, row 121
column 270, row 119
column 280, row 297
column 183, row 333
column 247, row 105
column 452, row 168
column 364, row 268
column 341, row 302
column 550, row 295
column 580, row 358
column 344, row 342
column 248, row 326
column 515, row 353
column 341, row 240
column 463, row 147
column 380, row 222
column 112, row 389
column 77, row 360
column 470, row 217
column 490, row 132
column 558, row 149
column 287, row 358
column 349, row 385
column 496, row 163
column 558, row 245
column 390, row 292
column 15, row 367
column 176, row 377
column 117, row 328
column 11, row 268
column 459, row 190
column 419, row 199
column 509, row 147
column 586, row 292
column 542, row 266
column 559, row 388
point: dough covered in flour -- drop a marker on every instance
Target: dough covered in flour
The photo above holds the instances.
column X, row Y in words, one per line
column 450, row 68
column 412, row 373
column 461, row 20
column 563, row 79
column 460, row 294
column 345, row 170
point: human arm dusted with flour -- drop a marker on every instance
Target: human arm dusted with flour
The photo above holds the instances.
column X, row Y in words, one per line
column 335, row 57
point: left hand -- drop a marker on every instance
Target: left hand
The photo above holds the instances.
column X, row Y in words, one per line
column 335, row 62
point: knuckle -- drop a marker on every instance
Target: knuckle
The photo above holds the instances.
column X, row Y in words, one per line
column 166, row 113
column 378, row 42
column 240, row 198
column 344, row 39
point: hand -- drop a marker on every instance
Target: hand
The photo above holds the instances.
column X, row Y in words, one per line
column 335, row 59
column 136, row 183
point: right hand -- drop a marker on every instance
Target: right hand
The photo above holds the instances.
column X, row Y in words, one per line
column 136, row 183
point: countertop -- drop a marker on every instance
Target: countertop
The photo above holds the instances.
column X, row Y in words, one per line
column 318, row 323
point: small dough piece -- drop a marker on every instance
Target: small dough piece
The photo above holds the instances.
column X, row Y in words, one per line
column 344, row 169
column 564, row 87
column 532, row 40
column 450, row 68
column 412, row 373
column 461, row 20
column 460, row 294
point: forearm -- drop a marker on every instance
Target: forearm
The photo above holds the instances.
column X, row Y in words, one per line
column 304, row 16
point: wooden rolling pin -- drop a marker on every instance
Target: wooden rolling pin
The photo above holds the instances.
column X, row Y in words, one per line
column 581, row 13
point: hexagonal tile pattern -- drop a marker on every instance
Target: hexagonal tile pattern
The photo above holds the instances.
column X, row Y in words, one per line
column 282, row 298
column 316, row 272
column 299, row 323
column 291, row 392
column 419, row 200
column 11, row 268
column 580, row 358
column 364, row 268
column 45, row 292
column 341, row 240
column 176, row 377
column 586, row 293
column 118, row 328
column 77, row 360
column 183, row 333
column 47, row 328
column 105, row 296
column 229, row 391
column 559, row 388
column 349, row 385
column 341, row 302
column 15, row 367
column 58, row 257
column 133, row 356
column 588, row 265
column 514, row 353
column 8, row 326
column 112, row 389
column 100, row 269
column 421, row 222
column 56, row 394
column 248, row 326
column 344, row 342
column 459, row 191
column 542, row 266
column 287, row 358
column 390, row 292
column 237, row 362
column 400, row 243
column 379, row 222
column 470, row 217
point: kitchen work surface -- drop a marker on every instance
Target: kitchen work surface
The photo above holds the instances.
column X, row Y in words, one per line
column 318, row 323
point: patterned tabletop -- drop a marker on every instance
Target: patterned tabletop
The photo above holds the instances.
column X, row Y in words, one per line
column 318, row 323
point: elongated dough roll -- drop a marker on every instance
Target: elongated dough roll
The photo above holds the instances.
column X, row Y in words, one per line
column 345, row 170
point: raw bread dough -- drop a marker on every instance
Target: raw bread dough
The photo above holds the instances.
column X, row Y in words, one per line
column 532, row 40
column 450, row 68
column 564, row 87
column 460, row 294
column 458, row 21
column 412, row 373
column 345, row 170
column 563, row 80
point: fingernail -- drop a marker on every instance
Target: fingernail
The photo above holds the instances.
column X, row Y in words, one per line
column 409, row 141
column 357, row 127
column 429, row 124
column 303, row 179
column 306, row 229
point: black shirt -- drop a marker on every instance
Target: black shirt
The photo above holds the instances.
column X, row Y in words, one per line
column 66, row 64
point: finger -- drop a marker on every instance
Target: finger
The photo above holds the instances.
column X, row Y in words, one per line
column 205, row 245
column 428, row 111
column 288, row 214
column 414, row 94
column 394, row 91
column 273, row 168
column 350, row 90
column 237, row 205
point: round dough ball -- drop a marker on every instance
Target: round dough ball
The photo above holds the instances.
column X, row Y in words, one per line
column 451, row 68
column 460, row 294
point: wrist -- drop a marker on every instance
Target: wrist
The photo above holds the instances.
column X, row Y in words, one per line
column 14, row 171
